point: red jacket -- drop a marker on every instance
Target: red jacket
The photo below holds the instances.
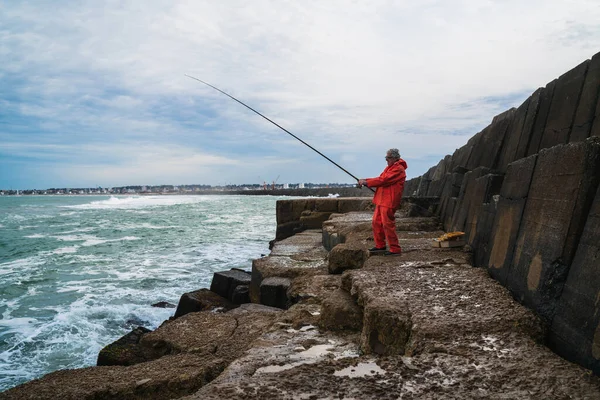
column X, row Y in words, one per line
column 390, row 185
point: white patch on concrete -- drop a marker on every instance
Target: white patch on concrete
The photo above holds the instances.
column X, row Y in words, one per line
column 361, row 370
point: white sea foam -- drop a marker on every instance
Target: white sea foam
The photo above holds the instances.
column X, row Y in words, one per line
column 137, row 202
column 35, row 236
column 66, row 250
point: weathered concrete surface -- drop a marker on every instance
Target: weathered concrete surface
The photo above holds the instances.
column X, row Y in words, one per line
column 431, row 330
column 340, row 312
column 564, row 104
column 312, row 289
column 273, row 292
column 222, row 335
column 563, row 186
column 575, row 331
column 532, row 116
column 225, row 282
column 481, row 192
column 584, row 117
column 537, row 132
column 466, row 198
column 487, row 150
column 301, row 254
column 291, row 220
column 124, row 351
column 510, row 146
column 507, row 221
column 346, row 256
column 202, row 300
column 170, row 377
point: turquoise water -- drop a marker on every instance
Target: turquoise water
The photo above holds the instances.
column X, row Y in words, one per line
column 78, row 272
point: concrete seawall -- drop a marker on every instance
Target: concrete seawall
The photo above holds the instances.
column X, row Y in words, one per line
column 525, row 190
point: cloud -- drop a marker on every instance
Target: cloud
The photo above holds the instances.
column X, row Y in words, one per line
column 352, row 79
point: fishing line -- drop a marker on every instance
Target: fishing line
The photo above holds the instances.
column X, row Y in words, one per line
column 279, row 126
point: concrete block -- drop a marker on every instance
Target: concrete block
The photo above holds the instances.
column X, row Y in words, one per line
column 326, row 204
column 411, row 186
column 564, row 104
column 386, row 327
column 273, row 292
column 339, row 312
column 313, row 219
column 575, row 330
column 481, row 192
column 527, row 131
column 539, row 124
column 505, row 228
column 464, row 198
column 346, row 256
column 241, row 295
column 124, row 351
column 461, row 157
column 487, row 150
column 201, row 300
column 449, row 214
column 482, row 234
column 586, row 110
column 564, row 182
column 510, row 146
column 225, row 282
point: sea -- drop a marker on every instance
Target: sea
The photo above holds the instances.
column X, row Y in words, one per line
column 79, row 272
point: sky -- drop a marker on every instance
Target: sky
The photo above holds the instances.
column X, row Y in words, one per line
column 94, row 93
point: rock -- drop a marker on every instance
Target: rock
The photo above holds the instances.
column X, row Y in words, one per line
column 201, row 300
column 346, row 256
column 339, row 311
column 163, row 304
column 273, row 292
column 124, row 351
column 225, row 282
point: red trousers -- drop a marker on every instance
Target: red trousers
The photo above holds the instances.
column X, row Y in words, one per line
column 384, row 228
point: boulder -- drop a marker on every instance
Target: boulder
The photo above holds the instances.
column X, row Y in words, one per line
column 164, row 304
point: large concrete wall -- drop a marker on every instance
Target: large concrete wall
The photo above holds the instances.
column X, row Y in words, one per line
column 526, row 191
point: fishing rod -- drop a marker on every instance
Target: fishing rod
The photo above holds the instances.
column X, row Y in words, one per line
column 279, row 126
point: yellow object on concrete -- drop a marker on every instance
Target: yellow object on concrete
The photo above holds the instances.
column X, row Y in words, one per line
column 450, row 239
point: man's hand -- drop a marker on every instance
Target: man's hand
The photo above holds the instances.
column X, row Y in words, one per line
column 362, row 182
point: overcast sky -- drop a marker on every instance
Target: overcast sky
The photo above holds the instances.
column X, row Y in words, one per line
column 94, row 93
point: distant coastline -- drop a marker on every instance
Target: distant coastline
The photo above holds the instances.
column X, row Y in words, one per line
column 343, row 191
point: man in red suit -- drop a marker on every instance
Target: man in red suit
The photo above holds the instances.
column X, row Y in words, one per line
column 390, row 185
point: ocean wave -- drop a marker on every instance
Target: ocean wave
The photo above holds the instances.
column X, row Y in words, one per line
column 35, row 236
column 136, row 202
